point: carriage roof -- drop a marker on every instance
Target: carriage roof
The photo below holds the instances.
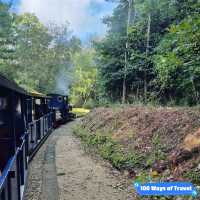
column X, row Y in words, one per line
column 6, row 83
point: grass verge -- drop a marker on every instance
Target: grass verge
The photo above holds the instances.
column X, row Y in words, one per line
column 112, row 151
column 80, row 112
column 109, row 149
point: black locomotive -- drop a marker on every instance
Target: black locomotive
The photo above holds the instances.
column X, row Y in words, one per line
column 26, row 119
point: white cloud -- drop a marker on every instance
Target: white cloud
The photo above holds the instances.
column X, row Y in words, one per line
column 76, row 12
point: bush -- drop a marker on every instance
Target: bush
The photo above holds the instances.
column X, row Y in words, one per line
column 90, row 104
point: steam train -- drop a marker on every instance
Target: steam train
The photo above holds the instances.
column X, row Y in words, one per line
column 26, row 120
column 60, row 103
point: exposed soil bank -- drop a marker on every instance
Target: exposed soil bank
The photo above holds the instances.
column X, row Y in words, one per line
column 160, row 143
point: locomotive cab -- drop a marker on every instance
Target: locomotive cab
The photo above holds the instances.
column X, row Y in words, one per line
column 60, row 104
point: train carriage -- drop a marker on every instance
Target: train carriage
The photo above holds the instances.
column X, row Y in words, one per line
column 25, row 122
column 13, row 163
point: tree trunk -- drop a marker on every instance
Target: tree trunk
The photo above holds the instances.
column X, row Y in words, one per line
column 130, row 7
column 147, row 53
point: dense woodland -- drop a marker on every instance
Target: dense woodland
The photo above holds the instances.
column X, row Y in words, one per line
column 151, row 53
column 34, row 55
column 162, row 44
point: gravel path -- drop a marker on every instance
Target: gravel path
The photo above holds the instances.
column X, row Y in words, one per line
column 62, row 170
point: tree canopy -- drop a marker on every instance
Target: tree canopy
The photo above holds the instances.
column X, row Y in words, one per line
column 163, row 52
column 151, row 52
column 33, row 54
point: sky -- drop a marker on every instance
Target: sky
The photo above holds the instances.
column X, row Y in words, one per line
column 84, row 16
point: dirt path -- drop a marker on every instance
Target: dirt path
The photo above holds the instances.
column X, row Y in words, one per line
column 62, row 170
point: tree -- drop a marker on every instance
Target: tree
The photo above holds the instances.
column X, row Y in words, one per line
column 111, row 54
column 131, row 5
column 44, row 54
column 135, row 72
column 7, row 41
column 85, row 74
column 177, row 62
column 32, row 51
column 63, row 46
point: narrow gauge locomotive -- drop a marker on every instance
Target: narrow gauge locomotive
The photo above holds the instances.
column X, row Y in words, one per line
column 60, row 104
column 26, row 119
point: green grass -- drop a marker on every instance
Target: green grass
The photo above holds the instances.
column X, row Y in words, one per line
column 109, row 149
column 113, row 151
column 80, row 112
column 193, row 176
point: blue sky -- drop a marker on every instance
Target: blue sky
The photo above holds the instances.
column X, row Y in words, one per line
column 84, row 16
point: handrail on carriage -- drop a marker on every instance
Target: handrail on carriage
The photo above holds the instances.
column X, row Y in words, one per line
column 37, row 120
column 6, row 172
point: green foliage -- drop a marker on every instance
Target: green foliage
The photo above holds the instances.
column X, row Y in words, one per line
column 142, row 177
column 80, row 112
column 43, row 49
column 35, row 56
column 90, row 103
column 168, row 65
column 177, row 61
column 31, row 52
column 193, row 175
column 84, row 84
column 162, row 65
column 7, row 41
column 157, row 152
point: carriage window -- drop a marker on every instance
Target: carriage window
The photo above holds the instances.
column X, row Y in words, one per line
column 3, row 103
column 38, row 101
column 3, row 106
column 18, row 107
